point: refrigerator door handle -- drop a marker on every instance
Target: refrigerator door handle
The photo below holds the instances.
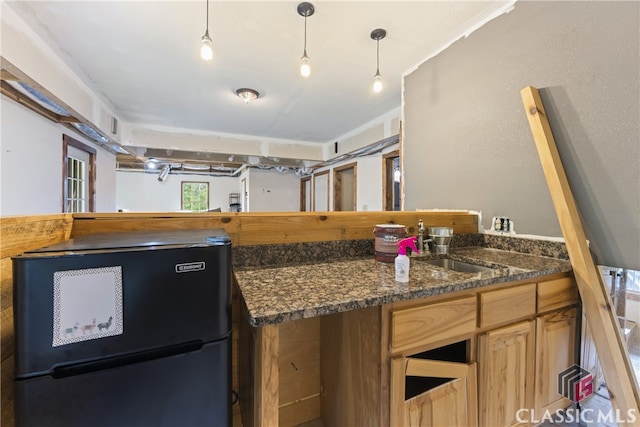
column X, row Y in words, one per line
column 128, row 359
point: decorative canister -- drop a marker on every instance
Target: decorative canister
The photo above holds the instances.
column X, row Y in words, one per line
column 387, row 238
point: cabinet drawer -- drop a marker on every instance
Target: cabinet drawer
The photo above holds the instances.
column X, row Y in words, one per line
column 498, row 307
column 557, row 293
column 431, row 323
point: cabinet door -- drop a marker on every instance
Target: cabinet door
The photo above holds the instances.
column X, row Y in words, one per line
column 506, row 358
column 555, row 352
column 453, row 403
column 589, row 356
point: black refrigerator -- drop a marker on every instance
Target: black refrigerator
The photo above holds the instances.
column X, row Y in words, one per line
column 125, row 329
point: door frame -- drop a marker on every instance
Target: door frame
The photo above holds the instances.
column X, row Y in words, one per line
column 387, row 180
column 337, row 186
column 303, row 194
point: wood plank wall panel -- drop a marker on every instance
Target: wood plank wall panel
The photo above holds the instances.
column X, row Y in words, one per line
column 84, row 224
column 246, row 228
column 23, row 233
column 19, row 234
column 351, row 365
column 299, row 367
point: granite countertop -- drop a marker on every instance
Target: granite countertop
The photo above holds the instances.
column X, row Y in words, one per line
column 278, row 294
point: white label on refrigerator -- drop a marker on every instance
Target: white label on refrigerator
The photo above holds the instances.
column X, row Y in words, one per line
column 87, row 304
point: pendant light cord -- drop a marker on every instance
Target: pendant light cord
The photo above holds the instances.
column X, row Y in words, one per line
column 207, row 16
column 305, row 35
column 378, row 56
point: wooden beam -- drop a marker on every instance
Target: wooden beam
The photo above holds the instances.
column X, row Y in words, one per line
column 602, row 320
column 266, row 376
column 6, row 75
column 25, row 100
column 20, row 98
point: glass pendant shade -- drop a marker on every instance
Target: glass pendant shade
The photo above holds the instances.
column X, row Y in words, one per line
column 305, row 66
column 206, row 50
column 377, row 83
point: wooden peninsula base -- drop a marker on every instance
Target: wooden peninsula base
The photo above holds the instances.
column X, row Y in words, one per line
column 384, row 365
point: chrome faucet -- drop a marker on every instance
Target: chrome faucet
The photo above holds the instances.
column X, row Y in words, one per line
column 421, row 231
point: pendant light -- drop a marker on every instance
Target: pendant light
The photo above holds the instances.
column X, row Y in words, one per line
column 377, row 35
column 206, row 50
column 305, row 9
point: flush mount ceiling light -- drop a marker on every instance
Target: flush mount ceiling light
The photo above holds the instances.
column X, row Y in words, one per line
column 206, row 50
column 305, row 9
column 377, row 35
column 247, row 94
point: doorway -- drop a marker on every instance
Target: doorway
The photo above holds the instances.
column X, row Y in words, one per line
column 78, row 176
column 305, row 194
column 391, row 176
column 321, row 191
column 344, row 188
column 244, row 197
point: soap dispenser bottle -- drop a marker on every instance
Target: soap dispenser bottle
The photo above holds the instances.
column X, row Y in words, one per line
column 402, row 260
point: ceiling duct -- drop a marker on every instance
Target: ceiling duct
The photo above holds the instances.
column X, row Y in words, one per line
column 231, row 165
column 38, row 102
column 374, row 148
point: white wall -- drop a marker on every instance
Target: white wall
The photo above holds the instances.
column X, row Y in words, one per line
column 368, row 180
column 29, row 57
column 271, row 191
column 138, row 191
column 31, row 159
column 369, row 183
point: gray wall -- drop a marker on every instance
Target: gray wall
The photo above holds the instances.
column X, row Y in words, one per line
column 468, row 145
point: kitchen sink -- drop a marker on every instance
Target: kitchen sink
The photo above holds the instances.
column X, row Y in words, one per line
column 455, row 265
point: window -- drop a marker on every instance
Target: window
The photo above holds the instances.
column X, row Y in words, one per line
column 78, row 172
column 195, row 196
column 76, row 185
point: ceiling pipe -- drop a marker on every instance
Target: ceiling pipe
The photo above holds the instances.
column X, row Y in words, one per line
column 254, row 162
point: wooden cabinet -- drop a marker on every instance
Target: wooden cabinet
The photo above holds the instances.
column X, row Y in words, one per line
column 508, row 305
column 555, row 294
column 430, row 323
column 452, row 403
column 519, row 338
column 506, row 363
column 433, row 389
column 555, row 352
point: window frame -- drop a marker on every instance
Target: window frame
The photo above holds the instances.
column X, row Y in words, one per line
column 182, row 185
